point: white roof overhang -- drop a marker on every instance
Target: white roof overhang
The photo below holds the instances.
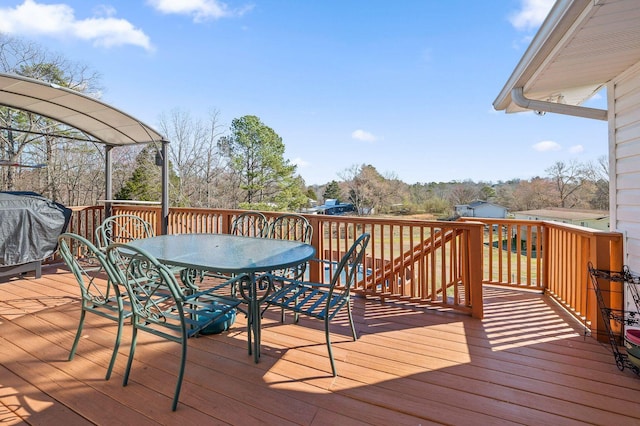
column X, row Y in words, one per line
column 580, row 47
column 103, row 122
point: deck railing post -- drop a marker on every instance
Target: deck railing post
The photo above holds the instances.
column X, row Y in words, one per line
column 475, row 269
column 606, row 253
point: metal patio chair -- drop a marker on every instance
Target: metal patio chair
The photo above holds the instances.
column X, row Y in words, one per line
column 250, row 224
column 293, row 227
column 122, row 228
column 86, row 262
column 159, row 304
column 324, row 300
column 247, row 224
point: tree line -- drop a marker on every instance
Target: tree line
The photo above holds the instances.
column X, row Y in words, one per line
column 566, row 185
column 239, row 167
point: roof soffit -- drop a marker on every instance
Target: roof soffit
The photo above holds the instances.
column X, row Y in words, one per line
column 576, row 52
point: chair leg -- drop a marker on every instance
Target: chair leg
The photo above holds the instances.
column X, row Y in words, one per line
column 326, row 333
column 116, row 346
column 183, row 360
column 132, row 350
column 78, row 333
column 353, row 326
column 249, row 329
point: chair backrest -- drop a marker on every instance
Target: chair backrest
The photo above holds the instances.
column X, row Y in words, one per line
column 155, row 296
column 250, row 224
column 157, row 301
column 86, row 261
column 350, row 266
column 122, row 228
column 291, row 227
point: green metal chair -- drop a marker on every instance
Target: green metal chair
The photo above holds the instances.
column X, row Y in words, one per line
column 160, row 306
column 250, row 224
column 122, row 228
column 324, row 300
column 87, row 262
column 293, row 227
column 247, row 224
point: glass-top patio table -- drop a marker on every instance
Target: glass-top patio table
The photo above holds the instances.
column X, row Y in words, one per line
column 240, row 256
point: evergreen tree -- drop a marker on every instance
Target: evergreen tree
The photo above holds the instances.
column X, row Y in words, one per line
column 255, row 154
column 145, row 182
column 332, row 190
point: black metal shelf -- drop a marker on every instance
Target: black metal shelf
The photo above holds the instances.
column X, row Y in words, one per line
column 622, row 317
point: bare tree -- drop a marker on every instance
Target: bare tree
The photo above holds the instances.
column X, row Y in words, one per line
column 598, row 174
column 567, row 179
column 464, row 193
column 31, row 138
column 355, row 187
column 193, row 152
column 211, row 164
column 368, row 190
column 534, row 194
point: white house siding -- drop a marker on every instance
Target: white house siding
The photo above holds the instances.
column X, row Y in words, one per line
column 481, row 209
column 624, row 108
column 624, row 163
column 491, row 211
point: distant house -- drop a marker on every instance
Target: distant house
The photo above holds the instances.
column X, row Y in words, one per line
column 595, row 219
column 480, row 208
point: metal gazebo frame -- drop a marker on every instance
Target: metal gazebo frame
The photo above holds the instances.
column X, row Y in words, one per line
column 102, row 122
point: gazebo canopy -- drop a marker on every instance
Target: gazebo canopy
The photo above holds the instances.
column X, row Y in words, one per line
column 102, row 122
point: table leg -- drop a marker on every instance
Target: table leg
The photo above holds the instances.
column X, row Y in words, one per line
column 257, row 289
column 251, row 290
column 255, row 320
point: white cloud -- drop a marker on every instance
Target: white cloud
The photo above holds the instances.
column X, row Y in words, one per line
column 364, row 136
column 531, row 14
column 545, row 146
column 200, row 10
column 300, row 162
column 58, row 20
column 576, row 149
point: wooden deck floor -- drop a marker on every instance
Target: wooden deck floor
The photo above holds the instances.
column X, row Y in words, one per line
column 525, row 363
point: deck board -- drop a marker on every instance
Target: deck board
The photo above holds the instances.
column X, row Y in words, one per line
column 527, row 362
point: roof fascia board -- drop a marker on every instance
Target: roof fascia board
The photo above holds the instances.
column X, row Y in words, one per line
column 562, row 16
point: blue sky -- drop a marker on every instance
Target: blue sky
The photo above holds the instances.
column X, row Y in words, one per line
column 406, row 86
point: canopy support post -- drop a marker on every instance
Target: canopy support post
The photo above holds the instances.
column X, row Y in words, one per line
column 165, row 188
column 108, row 178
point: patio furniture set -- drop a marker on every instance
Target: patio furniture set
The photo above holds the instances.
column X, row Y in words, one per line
column 157, row 282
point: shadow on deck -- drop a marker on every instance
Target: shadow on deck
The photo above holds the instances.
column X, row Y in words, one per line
column 527, row 362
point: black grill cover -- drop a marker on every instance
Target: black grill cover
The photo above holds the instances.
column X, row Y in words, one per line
column 29, row 227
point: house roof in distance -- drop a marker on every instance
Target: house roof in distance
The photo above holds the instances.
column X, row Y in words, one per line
column 566, row 214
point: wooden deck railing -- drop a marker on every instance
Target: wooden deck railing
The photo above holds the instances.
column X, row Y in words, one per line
column 551, row 257
column 434, row 262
